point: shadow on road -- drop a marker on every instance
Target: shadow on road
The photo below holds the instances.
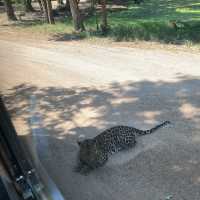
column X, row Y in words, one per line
column 67, row 113
column 144, row 101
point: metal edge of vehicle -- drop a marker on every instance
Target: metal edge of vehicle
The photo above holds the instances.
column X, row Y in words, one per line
column 30, row 178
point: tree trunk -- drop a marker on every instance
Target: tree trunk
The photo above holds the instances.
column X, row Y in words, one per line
column 50, row 12
column 28, row 6
column 92, row 5
column 40, row 5
column 76, row 15
column 92, row 8
column 104, row 24
column 9, row 10
column 47, row 8
column 44, row 5
column 59, row 3
column 67, row 7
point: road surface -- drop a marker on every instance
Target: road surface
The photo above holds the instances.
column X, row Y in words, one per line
column 78, row 90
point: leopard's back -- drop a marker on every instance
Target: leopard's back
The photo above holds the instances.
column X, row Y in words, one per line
column 116, row 138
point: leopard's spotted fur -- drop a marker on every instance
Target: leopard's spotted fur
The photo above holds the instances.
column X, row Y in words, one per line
column 94, row 152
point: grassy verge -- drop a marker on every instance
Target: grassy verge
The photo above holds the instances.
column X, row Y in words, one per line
column 172, row 21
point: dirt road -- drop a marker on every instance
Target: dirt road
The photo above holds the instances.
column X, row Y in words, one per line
column 79, row 90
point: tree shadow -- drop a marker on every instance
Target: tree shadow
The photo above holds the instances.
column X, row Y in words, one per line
column 169, row 157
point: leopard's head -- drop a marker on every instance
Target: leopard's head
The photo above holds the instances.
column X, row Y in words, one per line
column 88, row 153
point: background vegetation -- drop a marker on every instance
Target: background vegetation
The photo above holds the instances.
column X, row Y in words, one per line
column 166, row 21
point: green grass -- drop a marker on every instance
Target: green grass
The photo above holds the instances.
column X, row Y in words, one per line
column 153, row 19
column 149, row 21
column 158, row 11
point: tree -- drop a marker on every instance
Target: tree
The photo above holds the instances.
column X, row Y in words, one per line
column 92, row 4
column 104, row 23
column 76, row 15
column 28, row 6
column 47, row 8
column 67, row 6
column 60, row 3
column 10, row 10
column 50, row 12
column 40, row 5
column 44, row 7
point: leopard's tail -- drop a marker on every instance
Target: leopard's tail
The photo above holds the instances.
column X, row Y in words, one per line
column 154, row 128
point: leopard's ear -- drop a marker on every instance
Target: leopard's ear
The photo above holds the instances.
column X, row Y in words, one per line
column 80, row 139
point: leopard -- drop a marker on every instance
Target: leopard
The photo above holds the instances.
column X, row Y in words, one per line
column 94, row 152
